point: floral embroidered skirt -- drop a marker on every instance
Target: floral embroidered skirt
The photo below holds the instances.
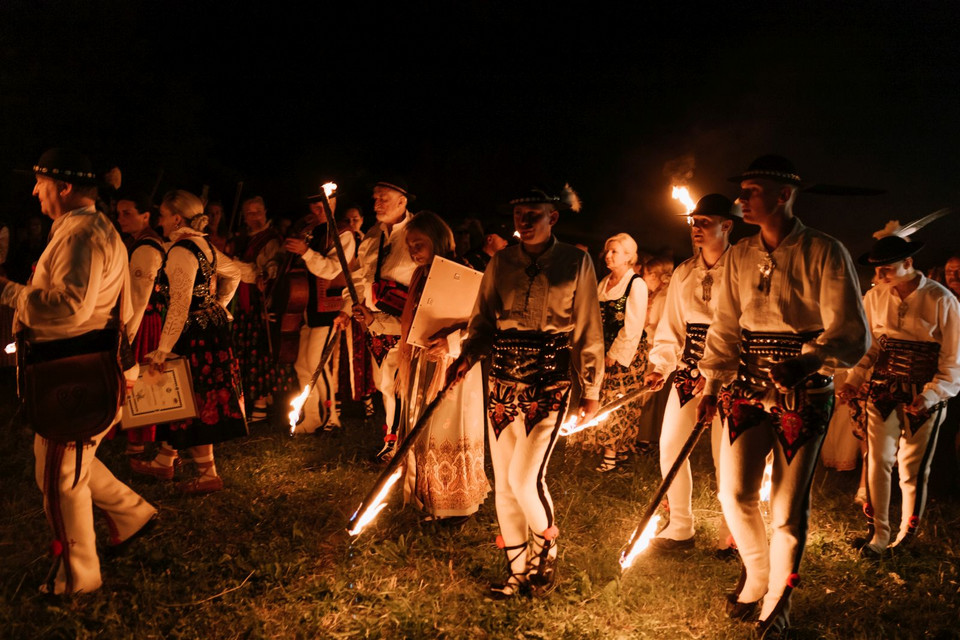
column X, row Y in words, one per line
column 262, row 374
column 444, row 474
column 216, row 390
column 620, row 430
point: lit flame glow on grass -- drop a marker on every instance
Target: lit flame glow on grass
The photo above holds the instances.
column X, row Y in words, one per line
column 375, row 507
column 329, row 188
column 10, row 348
column 296, row 405
column 767, row 483
column 648, row 533
column 683, row 195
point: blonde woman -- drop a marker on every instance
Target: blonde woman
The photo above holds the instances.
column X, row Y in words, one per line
column 623, row 307
column 198, row 282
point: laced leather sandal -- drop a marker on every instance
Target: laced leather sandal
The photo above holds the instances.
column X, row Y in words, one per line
column 542, row 567
column 516, row 584
column 609, row 463
column 157, row 469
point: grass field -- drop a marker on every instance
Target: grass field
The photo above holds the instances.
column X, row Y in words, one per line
column 269, row 558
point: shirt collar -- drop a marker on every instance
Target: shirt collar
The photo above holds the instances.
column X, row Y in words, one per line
column 791, row 238
column 73, row 213
column 407, row 216
column 526, row 258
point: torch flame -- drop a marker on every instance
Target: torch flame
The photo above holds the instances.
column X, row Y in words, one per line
column 648, row 533
column 571, row 427
column 683, row 195
column 329, row 188
column 296, row 405
column 10, row 348
column 767, row 483
column 376, row 506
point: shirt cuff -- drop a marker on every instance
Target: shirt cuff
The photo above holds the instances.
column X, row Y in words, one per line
column 10, row 294
column 931, row 397
column 712, row 386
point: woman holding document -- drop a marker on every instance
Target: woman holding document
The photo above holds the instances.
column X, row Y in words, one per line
column 444, row 473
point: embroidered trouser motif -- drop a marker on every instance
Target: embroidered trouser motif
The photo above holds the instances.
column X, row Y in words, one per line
column 742, row 459
column 69, row 510
column 520, row 449
column 889, row 441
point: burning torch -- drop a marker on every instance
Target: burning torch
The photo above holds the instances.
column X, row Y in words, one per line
column 571, row 427
column 374, row 502
column 296, row 405
column 648, row 523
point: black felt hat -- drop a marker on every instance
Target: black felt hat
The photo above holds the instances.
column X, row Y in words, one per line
column 770, row 167
column 715, row 204
column 398, row 184
column 66, row 165
column 889, row 249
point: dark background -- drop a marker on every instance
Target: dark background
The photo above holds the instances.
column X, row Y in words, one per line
column 473, row 100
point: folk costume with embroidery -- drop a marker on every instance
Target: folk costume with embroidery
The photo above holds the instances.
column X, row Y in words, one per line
column 623, row 311
column 535, row 318
column 689, row 308
column 801, row 298
column 914, row 354
column 382, row 278
column 74, row 290
column 326, row 283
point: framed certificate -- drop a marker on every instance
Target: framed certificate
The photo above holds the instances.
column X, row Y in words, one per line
column 170, row 400
column 448, row 297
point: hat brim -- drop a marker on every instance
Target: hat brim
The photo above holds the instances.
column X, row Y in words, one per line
column 765, row 175
column 867, row 261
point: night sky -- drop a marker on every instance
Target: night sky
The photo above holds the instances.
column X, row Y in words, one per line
column 471, row 101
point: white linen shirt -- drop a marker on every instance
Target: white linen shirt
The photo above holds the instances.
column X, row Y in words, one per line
column 813, row 286
column 685, row 305
column 932, row 314
column 561, row 298
column 624, row 347
column 327, row 266
column 79, row 276
column 397, row 266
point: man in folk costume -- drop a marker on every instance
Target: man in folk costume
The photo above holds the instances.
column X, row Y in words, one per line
column 146, row 251
column 326, row 282
column 910, row 371
column 789, row 313
column 259, row 248
column 382, row 278
column 537, row 313
column 691, row 302
column 78, row 290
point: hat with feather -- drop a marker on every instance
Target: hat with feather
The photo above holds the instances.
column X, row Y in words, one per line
column 893, row 241
column 564, row 200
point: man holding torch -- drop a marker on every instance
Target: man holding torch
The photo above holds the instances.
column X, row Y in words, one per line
column 789, row 313
column 326, row 283
column 691, row 302
column 536, row 314
column 382, row 278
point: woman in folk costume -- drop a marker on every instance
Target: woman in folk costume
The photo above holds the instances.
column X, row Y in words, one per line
column 537, row 318
column 198, row 282
column 444, row 473
column 145, row 247
column 623, row 307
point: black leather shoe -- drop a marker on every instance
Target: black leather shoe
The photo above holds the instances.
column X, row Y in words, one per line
column 543, row 577
column 669, row 545
column 859, row 543
column 115, row 550
column 773, row 627
column 869, row 552
column 743, row 611
column 730, row 553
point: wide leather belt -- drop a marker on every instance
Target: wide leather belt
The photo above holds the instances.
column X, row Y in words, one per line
column 914, row 361
column 759, row 351
column 694, row 344
column 531, row 357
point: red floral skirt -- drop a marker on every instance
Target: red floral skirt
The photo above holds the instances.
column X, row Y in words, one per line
column 216, row 390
